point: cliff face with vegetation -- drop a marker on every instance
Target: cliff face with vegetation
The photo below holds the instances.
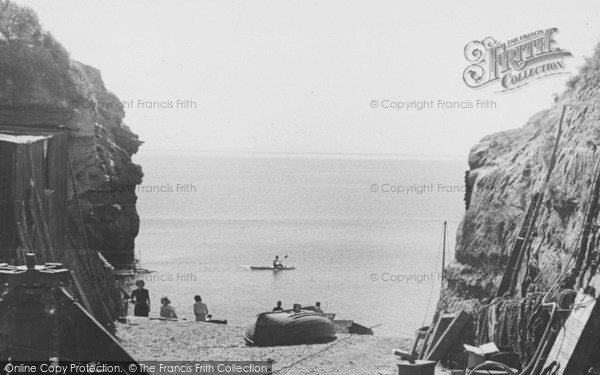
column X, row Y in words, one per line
column 506, row 170
column 41, row 86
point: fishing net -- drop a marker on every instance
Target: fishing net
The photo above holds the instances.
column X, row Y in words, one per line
column 516, row 323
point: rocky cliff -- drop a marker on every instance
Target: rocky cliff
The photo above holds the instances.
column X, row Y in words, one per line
column 506, row 171
column 40, row 86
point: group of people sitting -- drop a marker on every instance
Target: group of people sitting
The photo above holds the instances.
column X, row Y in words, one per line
column 315, row 308
column 141, row 299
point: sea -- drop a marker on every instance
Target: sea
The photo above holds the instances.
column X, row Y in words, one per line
column 364, row 233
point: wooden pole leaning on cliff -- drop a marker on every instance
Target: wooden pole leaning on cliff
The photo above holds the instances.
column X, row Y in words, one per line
column 74, row 187
column 579, row 269
column 516, row 248
column 23, row 231
column 36, row 202
column 443, row 258
column 515, row 276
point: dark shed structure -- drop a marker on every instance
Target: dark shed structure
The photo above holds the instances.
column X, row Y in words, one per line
column 33, row 192
column 35, row 175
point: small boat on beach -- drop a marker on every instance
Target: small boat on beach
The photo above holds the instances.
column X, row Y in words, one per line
column 289, row 328
column 272, row 268
column 350, row 327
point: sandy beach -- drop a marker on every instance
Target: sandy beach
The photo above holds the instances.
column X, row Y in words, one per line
column 153, row 340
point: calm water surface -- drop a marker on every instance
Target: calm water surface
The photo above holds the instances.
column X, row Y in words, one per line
column 346, row 241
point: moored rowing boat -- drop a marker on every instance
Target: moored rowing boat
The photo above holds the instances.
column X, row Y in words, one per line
column 289, row 328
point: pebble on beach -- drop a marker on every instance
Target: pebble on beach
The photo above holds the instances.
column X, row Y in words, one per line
column 197, row 341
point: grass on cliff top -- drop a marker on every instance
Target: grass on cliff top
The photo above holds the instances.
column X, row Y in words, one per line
column 32, row 62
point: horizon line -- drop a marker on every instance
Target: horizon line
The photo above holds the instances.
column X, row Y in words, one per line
column 304, row 153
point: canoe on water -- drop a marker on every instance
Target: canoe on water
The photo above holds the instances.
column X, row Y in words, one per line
column 289, row 328
column 272, row 268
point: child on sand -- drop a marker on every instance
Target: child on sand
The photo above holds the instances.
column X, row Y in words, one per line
column 166, row 310
column 200, row 309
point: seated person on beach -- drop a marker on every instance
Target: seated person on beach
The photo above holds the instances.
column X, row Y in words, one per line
column 141, row 299
column 200, row 309
column 278, row 307
column 297, row 308
column 166, row 310
column 318, row 308
column 277, row 263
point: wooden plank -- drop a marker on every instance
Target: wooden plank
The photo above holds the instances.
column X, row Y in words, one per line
column 434, row 335
column 93, row 336
column 577, row 338
column 442, row 324
column 439, row 348
column 421, row 334
column 81, row 292
column 425, row 346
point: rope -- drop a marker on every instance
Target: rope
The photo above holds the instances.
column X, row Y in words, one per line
column 318, row 353
column 311, row 355
column 433, row 284
column 329, row 281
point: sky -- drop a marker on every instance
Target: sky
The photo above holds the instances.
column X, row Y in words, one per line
column 302, row 76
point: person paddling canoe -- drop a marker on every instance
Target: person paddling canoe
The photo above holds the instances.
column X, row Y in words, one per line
column 277, row 264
